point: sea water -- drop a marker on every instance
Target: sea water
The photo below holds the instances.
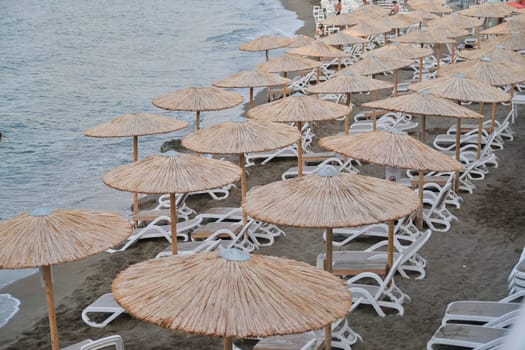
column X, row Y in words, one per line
column 66, row 66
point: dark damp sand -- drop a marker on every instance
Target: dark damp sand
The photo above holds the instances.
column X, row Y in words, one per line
column 471, row 261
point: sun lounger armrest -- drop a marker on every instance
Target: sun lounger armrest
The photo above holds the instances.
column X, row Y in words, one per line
column 512, row 298
column 363, row 275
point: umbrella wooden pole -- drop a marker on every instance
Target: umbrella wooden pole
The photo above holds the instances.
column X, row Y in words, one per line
column 339, row 61
column 318, row 73
column 458, row 150
column 228, row 344
column 328, row 260
column 250, row 106
column 493, row 117
column 511, row 96
column 51, row 307
column 198, row 121
column 347, row 117
column 242, row 163
column 422, row 130
column 438, row 54
column 373, row 119
column 420, row 69
column 482, row 108
column 478, row 37
column 396, row 78
column 300, row 149
column 173, row 215
column 458, row 137
column 267, row 56
column 420, row 192
column 480, row 130
column 328, row 337
column 135, row 194
column 390, row 261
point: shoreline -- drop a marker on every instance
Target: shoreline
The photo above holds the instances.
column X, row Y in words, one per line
column 478, row 251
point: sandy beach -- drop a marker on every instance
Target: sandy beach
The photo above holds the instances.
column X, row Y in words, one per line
column 470, row 262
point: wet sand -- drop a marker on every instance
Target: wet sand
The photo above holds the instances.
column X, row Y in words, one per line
column 471, row 261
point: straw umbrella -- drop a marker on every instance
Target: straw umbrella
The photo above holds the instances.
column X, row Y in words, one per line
column 240, row 137
column 345, row 19
column 458, row 87
column 288, row 63
column 491, row 72
column 402, row 51
column 498, row 53
column 369, row 27
column 342, row 38
column 265, row 43
column 459, row 21
column 252, row 295
column 319, row 49
column 47, row 237
column 515, row 41
column 371, row 10
column 347, row 84
column 422, row 14
column 198, row 100
column 394, row 149
column 135, row 125
column 487, row 10
column 425, row 37
column 299, row 109
column 172, row 173
column 301, row 40
column 423, row 103
column 330, row 199
column 251, row 79
column 373, row 64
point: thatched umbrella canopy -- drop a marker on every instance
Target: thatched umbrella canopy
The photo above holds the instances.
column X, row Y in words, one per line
column 172, row 173
column 240, row 137
column 426, row 3
column 288, row 63
column 498, row 53
column 251, row 79
column 426, row 37
column 506, row 28
column 318, row 49
column 331, row 199
column 399, row 21
column 393, row 149
column 135, row 125
column 299, row 109
column 347, row 84
column 423, row 103
column 459, row 21
column 402, row 51
column 198, row 100
column 342, row 38
column 515, row 41
column 371, row 10
column 487, row 10
column 265, row 43
column 252, row 295
column 345, row 19
column 48, row 237
column 373, row 64
column 437, row 9
column 489, row 71
column 421, row 14
column 367, row 28
column 448, row 30
column 458, row 87
column 301, row 40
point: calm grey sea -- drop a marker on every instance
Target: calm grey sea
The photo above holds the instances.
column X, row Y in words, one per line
column 66, row 66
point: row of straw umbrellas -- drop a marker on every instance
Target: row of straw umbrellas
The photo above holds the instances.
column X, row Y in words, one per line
column 46, row 237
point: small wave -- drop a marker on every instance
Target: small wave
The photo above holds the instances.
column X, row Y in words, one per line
column 9, row 306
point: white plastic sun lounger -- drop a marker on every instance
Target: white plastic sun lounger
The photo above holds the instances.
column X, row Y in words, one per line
column 106, row 305
column 110, row 342
column 477, row 311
